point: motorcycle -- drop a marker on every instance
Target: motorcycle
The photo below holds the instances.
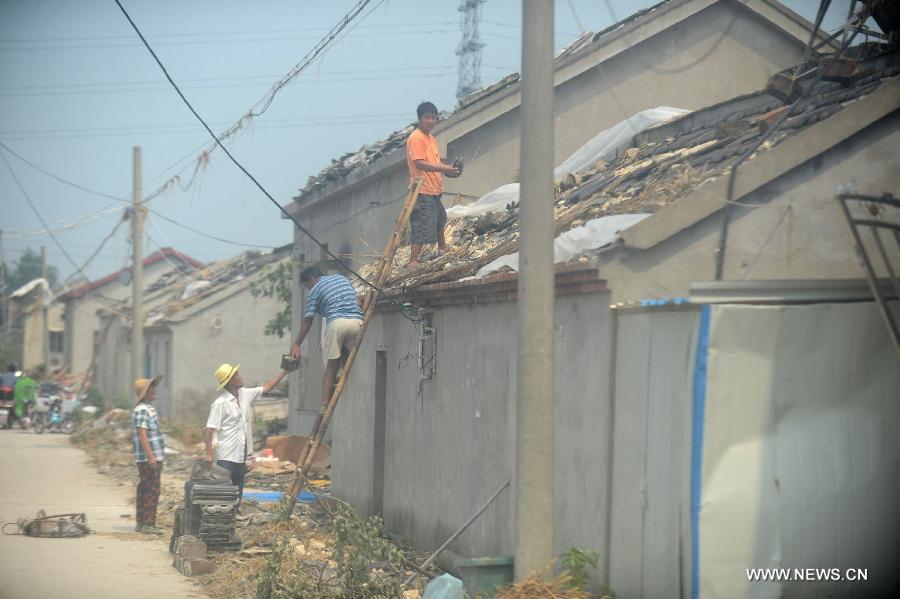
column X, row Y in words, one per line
column 7, row 407
column 53, row 420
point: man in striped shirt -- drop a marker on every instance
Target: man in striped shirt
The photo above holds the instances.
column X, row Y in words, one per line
column 333, row 298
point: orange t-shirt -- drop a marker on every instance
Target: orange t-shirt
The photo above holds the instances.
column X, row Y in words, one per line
column 421, row 146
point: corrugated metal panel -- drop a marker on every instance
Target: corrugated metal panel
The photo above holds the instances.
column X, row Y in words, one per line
column 651, row 498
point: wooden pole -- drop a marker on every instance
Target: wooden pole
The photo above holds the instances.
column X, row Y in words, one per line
column 321, row 426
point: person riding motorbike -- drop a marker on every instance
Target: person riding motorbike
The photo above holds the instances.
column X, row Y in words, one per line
column 25, row 397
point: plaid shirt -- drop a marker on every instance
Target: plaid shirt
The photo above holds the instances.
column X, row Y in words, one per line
column 144, row 416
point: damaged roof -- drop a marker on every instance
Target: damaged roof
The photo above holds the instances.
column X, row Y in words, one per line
column 178, row 294
column 663, row 165
column 165, row 253
column 367, row 154
column 585, row 44
column 214, row 283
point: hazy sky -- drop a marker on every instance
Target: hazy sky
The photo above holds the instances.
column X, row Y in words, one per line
column 78, row 92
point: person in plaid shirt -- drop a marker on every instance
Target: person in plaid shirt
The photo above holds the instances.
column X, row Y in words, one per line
column 149, row 450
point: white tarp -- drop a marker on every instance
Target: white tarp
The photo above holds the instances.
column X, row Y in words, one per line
column 604, row 146
column 40, row 283
column 591, row 235
column 193, row 288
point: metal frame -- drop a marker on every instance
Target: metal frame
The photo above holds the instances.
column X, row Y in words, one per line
column 876, row 208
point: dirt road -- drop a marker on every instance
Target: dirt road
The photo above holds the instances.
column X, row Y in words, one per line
column 46, row 472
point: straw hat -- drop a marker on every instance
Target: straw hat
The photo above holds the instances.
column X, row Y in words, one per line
column 141, row 386
column 224, row 374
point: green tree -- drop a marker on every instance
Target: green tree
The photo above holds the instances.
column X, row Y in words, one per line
column 28, row 268
column 275, row 281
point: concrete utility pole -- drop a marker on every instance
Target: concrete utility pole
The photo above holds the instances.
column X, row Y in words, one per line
column 45, row 334
column 3, row 284
column 137, row 272
column 534, row 411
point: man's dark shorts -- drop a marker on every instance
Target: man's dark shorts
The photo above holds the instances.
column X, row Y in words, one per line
column 428, row 217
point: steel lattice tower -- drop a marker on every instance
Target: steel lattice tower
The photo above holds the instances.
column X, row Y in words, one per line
column 469, row 50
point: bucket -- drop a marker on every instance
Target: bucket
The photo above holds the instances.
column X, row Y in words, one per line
column 482, row 575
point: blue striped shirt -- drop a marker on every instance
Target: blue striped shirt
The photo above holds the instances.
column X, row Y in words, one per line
column 332, row 297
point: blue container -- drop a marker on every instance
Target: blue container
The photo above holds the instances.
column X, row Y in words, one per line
column 273, row 496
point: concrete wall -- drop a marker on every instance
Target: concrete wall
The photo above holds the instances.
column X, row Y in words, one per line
column 448, row 447
column 33, row 333
column 112, row 376
column 81, row 314
column 794, row 229
column 690, row 65
column 198, row 347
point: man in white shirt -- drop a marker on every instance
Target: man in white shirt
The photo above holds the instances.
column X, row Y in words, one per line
column 231, row 420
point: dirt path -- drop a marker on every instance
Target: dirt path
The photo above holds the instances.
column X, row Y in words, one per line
column 46, row 472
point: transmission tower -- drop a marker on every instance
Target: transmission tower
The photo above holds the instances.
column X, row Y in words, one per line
column 469, row 50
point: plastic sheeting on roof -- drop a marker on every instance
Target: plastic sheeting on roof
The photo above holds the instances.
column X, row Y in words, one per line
column 604, row 146
column 24, row 290
column 193, row 288
column 591, row 235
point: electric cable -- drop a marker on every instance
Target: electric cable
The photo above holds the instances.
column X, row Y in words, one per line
column 202, row 234
column 100, row 247
column 344, row 21
column 78, row 221
column 38, row 213
column 791, row 109
column 60, row 179
column 261, row 105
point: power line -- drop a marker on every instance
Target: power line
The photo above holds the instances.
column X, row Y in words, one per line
column 158, row 88
column 288, row 121
column 207, row 235
column 575, row 16
column 100, row 247
column 76, row 222
column 115, row 84
column 216, row 33
column 45, row 135
column 343, row 23
column 37, row 212
column 261, row 105
column 60, row 179
column 217, row 41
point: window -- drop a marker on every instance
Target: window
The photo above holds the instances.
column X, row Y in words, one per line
column 56, row 342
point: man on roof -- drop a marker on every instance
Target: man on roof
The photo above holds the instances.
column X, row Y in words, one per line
column 424, row 160
column 333, row 298
column 231, row 422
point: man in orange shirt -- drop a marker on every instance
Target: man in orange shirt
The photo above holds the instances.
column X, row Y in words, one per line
column 424, row 160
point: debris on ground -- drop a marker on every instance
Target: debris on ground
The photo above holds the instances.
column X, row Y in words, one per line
column 324, row 549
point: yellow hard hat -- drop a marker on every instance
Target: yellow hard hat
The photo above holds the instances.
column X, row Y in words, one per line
column 224, row 374
column 141, row 386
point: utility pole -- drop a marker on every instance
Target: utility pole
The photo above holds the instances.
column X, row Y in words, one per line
column 46, row 331
column 3, row 286
column 137, row 272
column 534, row 370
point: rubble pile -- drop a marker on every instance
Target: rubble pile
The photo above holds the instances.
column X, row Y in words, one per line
column 226, row 551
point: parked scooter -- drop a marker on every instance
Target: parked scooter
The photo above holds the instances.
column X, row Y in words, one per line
column 6, row 407
column 53, row 420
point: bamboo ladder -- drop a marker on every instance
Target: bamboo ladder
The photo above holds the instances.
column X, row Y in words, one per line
column 324, row 419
